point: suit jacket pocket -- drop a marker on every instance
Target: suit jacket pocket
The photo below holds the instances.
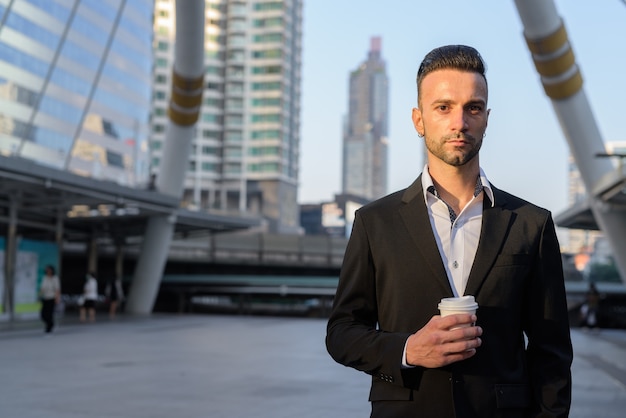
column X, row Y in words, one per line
column 512, row 260
column 512, row 396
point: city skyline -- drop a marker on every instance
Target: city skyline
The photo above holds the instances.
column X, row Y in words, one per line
column 525, row 151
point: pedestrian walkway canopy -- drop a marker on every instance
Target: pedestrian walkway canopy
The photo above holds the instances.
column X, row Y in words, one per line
column 41, row 201
column 610, row 190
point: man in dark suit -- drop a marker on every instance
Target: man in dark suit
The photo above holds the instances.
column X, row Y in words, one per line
column 452, row 233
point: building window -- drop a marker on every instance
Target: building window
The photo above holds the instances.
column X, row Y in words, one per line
column 233, row 136
column 232, row 152
column 267, row 53
column 268, row 22
column 265, row 118
column 267, row 38
column 266, row 101
column 163, row 46
column 234, row 104
column 211, row 69
column 206, row 133
column 115, row 159
column 264, row 151
column 264, row 86
column 213, row 102
column 272, row 5
column 206, row 150
column 267, row 69
column 235, row 71
column 266, row 134
column 232, row 168
column 236, row 120
column 264, row 168
column 211, row 85
column 211, row 118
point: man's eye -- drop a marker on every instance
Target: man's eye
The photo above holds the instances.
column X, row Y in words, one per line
column 443, row 108
column 475, row 109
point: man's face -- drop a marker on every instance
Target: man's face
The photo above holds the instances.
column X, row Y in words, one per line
column 452, row 115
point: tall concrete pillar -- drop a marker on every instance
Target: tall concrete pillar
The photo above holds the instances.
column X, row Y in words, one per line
column 562, row 81
column 10, row 256
column 92, row 255
column 184, row 108
column 119, row 259
column 58, row 238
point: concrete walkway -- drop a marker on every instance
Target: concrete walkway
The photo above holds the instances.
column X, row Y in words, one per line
column 226, row 366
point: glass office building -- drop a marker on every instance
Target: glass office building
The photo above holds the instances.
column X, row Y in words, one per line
column 75, row 86
column 245, row 155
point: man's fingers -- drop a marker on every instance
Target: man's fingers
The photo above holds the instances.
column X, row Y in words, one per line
column 462, row 346
column 457, row 320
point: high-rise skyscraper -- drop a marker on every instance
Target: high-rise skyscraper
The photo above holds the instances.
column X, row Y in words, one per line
column 365, row 131
column 75, row 85
column 245, row 155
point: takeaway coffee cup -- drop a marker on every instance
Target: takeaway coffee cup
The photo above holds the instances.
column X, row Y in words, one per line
column 463, row 304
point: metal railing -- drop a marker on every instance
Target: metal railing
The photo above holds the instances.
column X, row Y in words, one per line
column 262, row 249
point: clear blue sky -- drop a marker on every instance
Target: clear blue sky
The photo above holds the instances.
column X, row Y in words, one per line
column 524, row 152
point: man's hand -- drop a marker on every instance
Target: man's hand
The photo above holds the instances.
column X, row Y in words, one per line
column 444, row 340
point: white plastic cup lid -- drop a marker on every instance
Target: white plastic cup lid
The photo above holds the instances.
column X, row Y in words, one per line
column 463, row 303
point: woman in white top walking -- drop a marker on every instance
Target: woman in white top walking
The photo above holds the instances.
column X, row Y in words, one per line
column 90, row 296
column 50, row 295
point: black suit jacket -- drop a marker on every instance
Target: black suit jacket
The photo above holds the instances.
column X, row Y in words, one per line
column 393, row 278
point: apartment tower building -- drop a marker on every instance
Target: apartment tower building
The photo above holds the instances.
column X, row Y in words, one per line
column 365, row 132
column 245, row 154
column 75, row 85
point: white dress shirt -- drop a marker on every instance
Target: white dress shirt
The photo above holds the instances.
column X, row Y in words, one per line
column 457, row 235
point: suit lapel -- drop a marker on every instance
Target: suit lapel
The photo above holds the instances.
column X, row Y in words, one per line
column 495, row 226
column 415, row 216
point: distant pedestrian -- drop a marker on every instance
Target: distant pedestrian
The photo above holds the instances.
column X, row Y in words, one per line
column 90, row 296
column 114, row 294
column 50, row 295
column 589, row 309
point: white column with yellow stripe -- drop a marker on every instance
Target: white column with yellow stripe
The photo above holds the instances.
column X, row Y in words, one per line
column 562, row 81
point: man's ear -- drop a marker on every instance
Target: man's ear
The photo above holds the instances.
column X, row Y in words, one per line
column 418, row 122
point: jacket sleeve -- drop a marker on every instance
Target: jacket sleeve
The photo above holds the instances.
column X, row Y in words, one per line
column 353, row 338
column 549, row 351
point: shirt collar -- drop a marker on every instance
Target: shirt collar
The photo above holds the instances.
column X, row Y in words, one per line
column 427, row 182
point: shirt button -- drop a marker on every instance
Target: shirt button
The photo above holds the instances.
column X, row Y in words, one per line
column 455, row 264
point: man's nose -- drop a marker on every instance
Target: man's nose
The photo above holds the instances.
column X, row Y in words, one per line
column 459, row 120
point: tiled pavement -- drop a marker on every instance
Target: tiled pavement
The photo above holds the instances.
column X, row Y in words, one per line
column 226, row 366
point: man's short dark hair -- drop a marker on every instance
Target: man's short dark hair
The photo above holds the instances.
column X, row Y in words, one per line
column 455, row 57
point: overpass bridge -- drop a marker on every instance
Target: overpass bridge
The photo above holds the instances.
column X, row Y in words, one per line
column 262, row 249
column 288, row 271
